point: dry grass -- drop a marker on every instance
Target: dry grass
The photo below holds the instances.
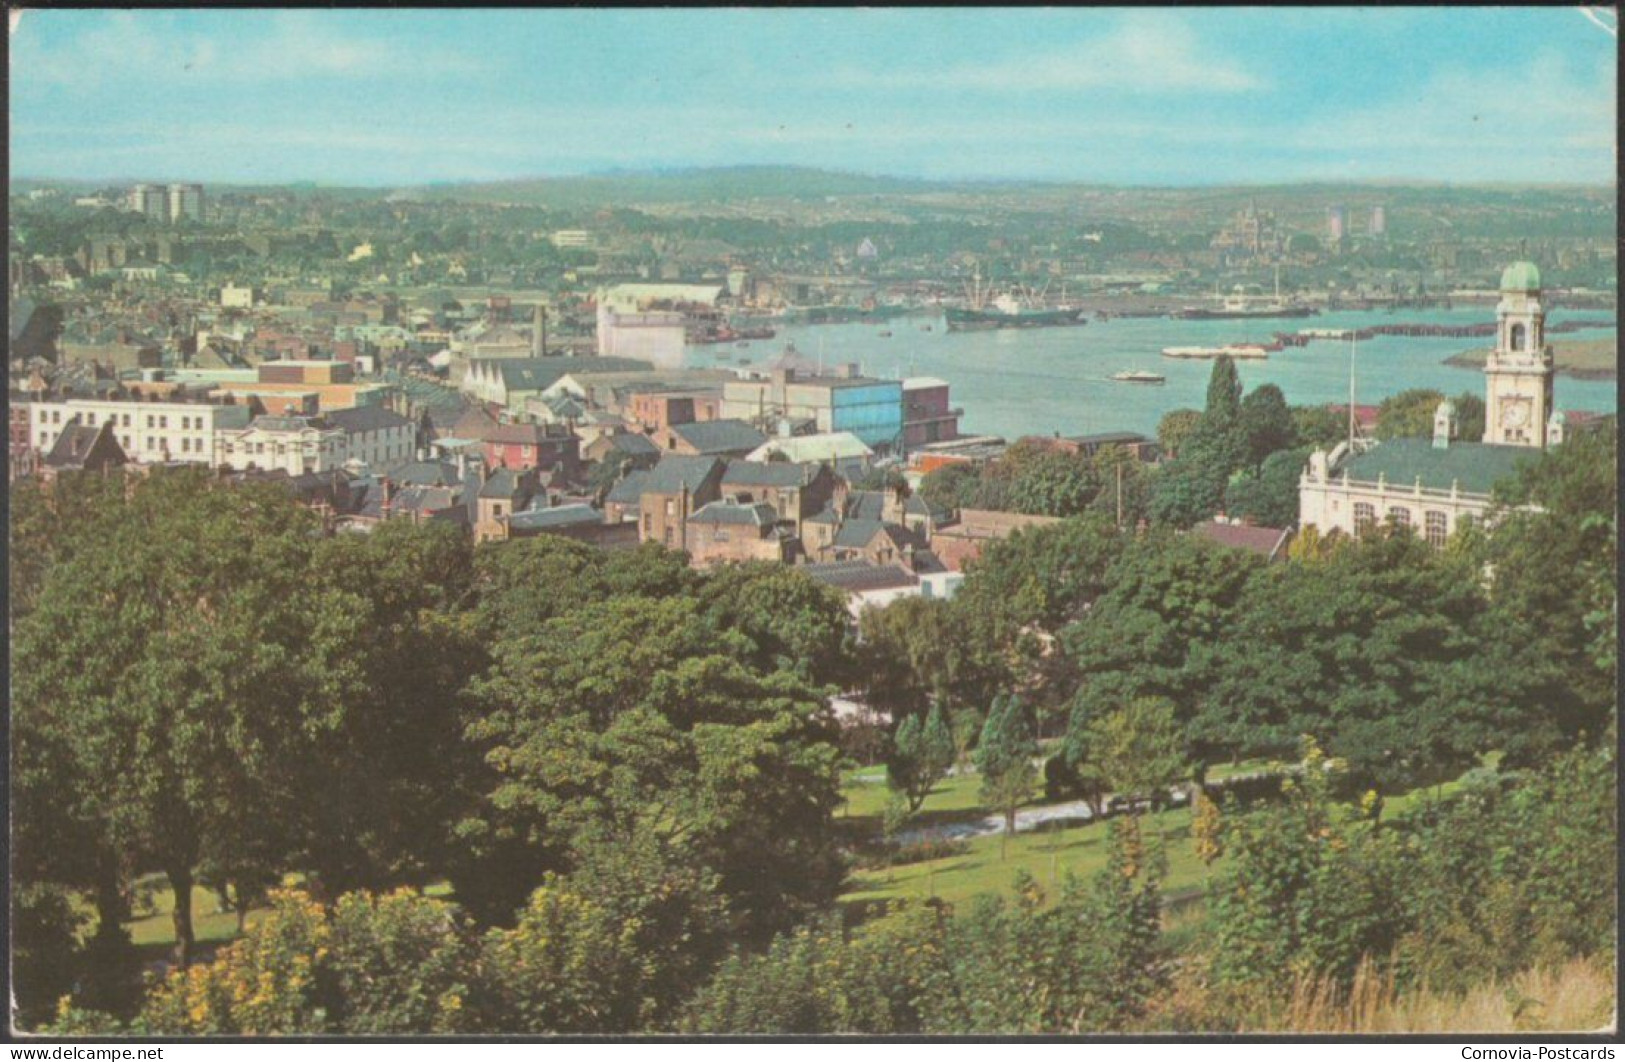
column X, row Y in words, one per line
column 1575, row 997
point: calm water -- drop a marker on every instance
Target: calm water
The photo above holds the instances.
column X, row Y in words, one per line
column 1014, row 383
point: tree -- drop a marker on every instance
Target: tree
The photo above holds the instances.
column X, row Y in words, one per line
column 1170, row 597
column 951, row 487
column 1175, row 427
column 922, row 754
column 1376, row 649
column 1004, row 757
column 1054, row 484
column 636, row 716
column 1319, row 427
column 1267, row 423
column 196, row 682
column 918, row 650
column 1409, row 414
column 794, row 623
column 1269, row 497
column 1139, row 748
column 1551, row 634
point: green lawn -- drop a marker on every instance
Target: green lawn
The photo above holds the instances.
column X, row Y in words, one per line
column 1045, row 854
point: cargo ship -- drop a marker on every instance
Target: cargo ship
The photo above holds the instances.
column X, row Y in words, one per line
column 1009, row 310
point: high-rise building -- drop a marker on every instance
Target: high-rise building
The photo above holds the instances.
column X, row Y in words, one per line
column 1336, row 224
column 185, row 201
column 149, row 199
column 1379, row 220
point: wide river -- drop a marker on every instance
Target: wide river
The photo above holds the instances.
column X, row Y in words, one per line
column 1044, row 380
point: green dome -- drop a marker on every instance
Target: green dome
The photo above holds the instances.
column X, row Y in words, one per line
column 1521, row 276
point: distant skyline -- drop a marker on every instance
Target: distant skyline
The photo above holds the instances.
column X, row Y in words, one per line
column 1112, row 96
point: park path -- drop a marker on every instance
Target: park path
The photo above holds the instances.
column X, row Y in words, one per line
column 1069, row 813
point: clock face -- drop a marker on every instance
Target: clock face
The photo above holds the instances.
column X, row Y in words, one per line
column 1514, row 415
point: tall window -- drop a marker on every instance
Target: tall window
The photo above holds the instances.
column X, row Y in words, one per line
column 1365, row 517
column 1399, row 516
column 1517, row 337
column 1436, row 526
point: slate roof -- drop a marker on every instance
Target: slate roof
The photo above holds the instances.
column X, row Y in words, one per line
column 856, row 534
column 366, row 418
column 1473, row 467
column 425, row 474
column 768, row 474
column 633, row 444
column 719, row 436
column 675, row 471
column 558, row 516
column 719, row 512
column 232, row 417
column 628, row 491
column 73, row 445
column 503, row 483
column 857, row 576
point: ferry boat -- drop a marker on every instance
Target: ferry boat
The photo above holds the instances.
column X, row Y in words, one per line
column 1139, row 376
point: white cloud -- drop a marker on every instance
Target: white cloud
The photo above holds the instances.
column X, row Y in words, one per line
column 129, row 47
column 1536, row 120
column 1145, row 53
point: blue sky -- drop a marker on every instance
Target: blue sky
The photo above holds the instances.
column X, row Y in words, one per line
column 1120, row 96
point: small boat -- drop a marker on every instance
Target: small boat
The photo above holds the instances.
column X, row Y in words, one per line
column 743, row 343
column 744, row 361
column 885, row 335
column 925, row 328
column 1139, row 376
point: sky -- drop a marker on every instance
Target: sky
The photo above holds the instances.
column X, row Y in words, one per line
column 1116, row 96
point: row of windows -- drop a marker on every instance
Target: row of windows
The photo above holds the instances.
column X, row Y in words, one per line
column 1435, row 524
column 157, row 421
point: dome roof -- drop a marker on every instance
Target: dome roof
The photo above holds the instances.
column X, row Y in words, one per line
column 1521, row 276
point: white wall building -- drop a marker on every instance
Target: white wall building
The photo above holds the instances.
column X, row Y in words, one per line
column 375, row 436
column 149, row 432
column 1434, row 485
column 295, row 445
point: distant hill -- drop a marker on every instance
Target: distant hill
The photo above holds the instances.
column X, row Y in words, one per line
column 729, row 183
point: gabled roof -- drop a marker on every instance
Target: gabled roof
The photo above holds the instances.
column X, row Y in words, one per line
column 632, row 444
column 76, row 443
column 1473, row 468
column 719, row 436
column 503, row 483
column 628, row 490
column 538, row 374
column 674, row 472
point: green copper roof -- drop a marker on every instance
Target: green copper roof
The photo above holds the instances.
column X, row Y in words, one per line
column 1473, row 467
column 1521, row 276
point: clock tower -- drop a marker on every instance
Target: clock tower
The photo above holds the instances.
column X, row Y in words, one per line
column 1518, row 374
